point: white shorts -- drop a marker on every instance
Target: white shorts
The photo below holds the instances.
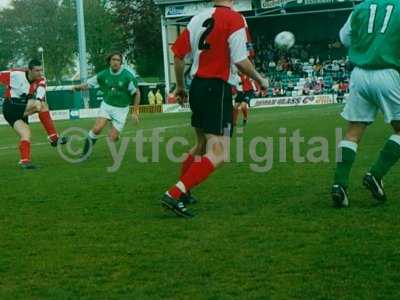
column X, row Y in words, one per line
column 371, row 91
column 117, row 115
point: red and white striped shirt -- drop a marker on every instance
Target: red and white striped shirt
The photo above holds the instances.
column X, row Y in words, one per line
column 215, row 40
column 18, row 86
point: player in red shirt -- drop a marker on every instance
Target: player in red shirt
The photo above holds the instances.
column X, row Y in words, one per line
column 25, row 95
column 214, row 40
column 245, row 86
column 245, row 92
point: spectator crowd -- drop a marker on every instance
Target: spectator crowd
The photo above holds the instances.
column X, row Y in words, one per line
column 306, row 69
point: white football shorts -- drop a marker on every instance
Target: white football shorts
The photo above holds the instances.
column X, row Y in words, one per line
column 117, row 115
column 372, row 91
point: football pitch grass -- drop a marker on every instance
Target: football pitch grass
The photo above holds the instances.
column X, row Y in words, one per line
column 77, row 231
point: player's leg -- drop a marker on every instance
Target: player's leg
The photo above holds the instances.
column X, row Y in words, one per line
column 16, row 114
column 388, row 157
column 360, row 110
column 32, row 107
column 193, row 155
column 24, row 132
column 197, row 151
column 388, row 82
column 212, row 112
column 216, row 154
column 246, row 107
column 238, row 104
column 105, row 115
column 48, row 125
column 236, row 112
column 113, row 134
column 118, row 115
column 93, row 134
column 245, row 111
column 203, row 167
column 217, row 149
column 348, row 150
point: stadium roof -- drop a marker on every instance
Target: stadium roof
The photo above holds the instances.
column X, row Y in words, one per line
column 167, row 2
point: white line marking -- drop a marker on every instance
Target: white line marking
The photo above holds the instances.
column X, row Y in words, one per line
column 125, row 133
column 256, row 119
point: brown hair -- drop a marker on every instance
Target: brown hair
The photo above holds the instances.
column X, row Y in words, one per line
column 109, row 56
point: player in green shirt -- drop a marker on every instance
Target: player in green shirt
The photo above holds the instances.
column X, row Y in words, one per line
column 372, row 34
column 119, row 88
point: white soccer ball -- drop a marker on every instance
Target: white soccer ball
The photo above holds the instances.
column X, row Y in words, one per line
column 285, row 40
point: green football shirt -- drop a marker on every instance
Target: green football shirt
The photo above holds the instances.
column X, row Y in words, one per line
column 372, row 34
column 117, row 88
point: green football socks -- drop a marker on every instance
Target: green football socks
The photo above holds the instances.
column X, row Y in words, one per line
column 388, row 157
column 89, row 142
column 348, row 151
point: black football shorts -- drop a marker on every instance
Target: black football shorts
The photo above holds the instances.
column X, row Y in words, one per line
column 14, row 110
column 211, row 104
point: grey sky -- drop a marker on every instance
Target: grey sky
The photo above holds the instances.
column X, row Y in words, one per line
column 4, row 3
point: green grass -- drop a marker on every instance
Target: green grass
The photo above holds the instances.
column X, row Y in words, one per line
column 79, row 232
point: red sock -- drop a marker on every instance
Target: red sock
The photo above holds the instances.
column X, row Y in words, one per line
column 197, row 173
column 48, row 124
column 245, row 111
column 235, row 115
column 186, row 164
column 175, row 192
column 25, row 151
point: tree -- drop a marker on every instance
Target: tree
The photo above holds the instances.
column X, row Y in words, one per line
column 141, row 22
column 132, row 27
column 51, row 24
column 7, row 40
column 42, row 23
column 103, row 33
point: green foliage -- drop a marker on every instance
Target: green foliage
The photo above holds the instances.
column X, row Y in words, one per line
column 7, row 40
column 40, row 23
column 141, row 22
column 51, row 24
column 103, row 33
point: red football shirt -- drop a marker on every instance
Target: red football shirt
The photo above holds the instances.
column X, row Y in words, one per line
column 215, row 40
column 247, row 83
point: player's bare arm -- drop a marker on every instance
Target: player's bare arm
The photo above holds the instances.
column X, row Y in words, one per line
column 180, row 93
column 90, row 83
column 136, row 104
column 80, row 87
column 247, row 68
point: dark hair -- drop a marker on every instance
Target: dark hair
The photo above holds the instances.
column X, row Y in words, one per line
column 34, row 63
column 114, row 54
